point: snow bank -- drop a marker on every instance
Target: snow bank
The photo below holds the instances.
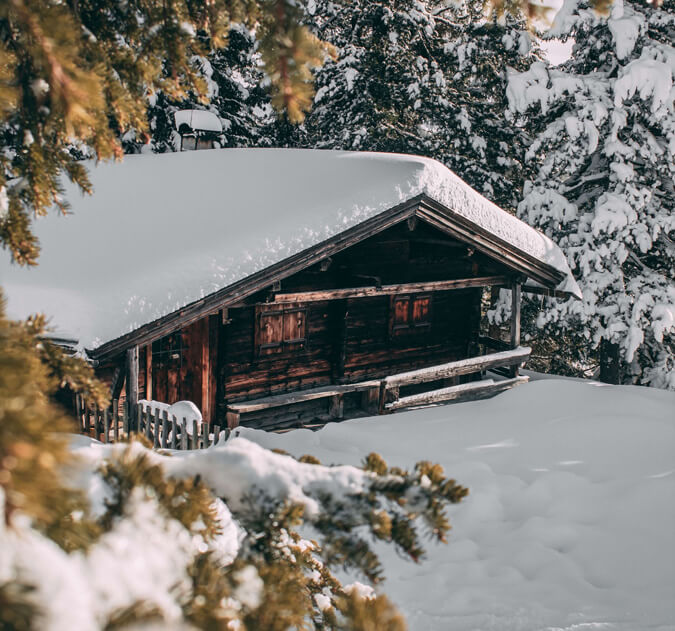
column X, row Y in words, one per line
column 569, row 525
column 570, row 521
column 164, row 230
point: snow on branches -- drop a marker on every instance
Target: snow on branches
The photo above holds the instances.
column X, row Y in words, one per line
column 603, row 164
column 211, row 538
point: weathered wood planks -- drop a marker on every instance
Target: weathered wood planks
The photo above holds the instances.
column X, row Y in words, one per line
column 404, row 288
column 464, row 392
column 467, row 366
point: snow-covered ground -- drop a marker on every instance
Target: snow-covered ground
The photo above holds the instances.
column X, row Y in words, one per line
column 570, row 523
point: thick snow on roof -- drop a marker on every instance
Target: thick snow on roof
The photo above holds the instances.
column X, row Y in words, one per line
column 199, row 120
column 161, row 231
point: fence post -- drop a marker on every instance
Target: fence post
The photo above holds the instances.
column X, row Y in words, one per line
column 195, row 434
column 125, row 419
column 183, row 435
column 216, row 434
column 174, row 431
column 106, row 425
column 155, row 417
column 116, row 425
column 146, row 417
column 165, row 429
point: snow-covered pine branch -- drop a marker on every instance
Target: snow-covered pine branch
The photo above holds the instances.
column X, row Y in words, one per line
column 602, row 166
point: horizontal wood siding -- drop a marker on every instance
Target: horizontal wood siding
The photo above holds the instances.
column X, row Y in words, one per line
column 247, row 376
column 372, row 352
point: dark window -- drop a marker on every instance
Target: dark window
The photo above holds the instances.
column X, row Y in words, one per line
column 279, row 329
column 410, row 313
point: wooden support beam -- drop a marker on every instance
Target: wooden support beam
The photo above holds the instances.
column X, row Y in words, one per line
column 339, row 325
column 118, row 379
column 465, row 392
column 232, row 419
column 467, row 366
column 325, row 264
column 404, row 288
column 515, row 315
column 336, row 406
column 412, row 223
column 545, row 291
column 148, row 372
column 132, row 385
column 279, row 400
column 515, row 323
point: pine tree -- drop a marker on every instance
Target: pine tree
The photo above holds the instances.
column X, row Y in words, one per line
column 75, row 77
column 602, row 184
column 422, row 78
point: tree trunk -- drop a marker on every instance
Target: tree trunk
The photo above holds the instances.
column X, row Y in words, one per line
column 609, row 362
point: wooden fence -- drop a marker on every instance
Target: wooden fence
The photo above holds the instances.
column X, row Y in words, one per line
column 163, row 431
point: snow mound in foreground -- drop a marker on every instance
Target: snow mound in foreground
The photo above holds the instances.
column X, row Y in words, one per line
column 570, row 523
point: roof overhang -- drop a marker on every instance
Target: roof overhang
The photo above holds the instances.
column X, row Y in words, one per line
column 421, row 206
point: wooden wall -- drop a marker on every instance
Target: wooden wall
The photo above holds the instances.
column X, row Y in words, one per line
column 245, row 375
column 214, row 361
column 372, row 352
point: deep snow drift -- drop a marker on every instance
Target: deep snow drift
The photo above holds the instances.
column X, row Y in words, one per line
column 570, row 521
column 569, row 525
column 161, row 231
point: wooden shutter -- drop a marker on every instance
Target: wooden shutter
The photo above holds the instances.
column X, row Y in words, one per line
column 278, row 329
column 399, row 318
column 421, row 311
column 294, row 326
column 270, row 331
column 401, row 312
column 409, row 313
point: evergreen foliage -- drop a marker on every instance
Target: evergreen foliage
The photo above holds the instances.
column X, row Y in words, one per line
column 278, row 579
column 426, row 78
column 31, row 450
column 77, row 76
column 237, row 91
column 603, row 165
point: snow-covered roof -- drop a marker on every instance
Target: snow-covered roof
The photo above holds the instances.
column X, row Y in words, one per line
column 161, row 231
column 198, row 120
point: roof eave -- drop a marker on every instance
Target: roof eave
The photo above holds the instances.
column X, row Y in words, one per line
column 427, row 209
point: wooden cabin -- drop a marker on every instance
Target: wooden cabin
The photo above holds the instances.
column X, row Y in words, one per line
column 381, row 314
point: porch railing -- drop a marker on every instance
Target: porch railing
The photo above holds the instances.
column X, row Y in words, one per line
column 166, row 431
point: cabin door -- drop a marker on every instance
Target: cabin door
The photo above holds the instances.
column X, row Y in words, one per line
column 167, row 357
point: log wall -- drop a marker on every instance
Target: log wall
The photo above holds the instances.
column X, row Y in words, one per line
column 214, row 361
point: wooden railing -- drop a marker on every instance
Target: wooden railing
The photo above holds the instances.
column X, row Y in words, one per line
column 162, row 430
column 166, row 431
column 390, row 398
